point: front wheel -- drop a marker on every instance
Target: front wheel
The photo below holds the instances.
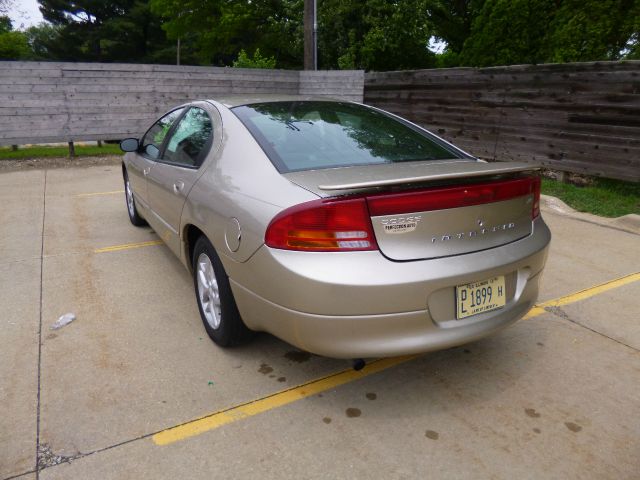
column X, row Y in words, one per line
column 134, row 216
column 217, row 306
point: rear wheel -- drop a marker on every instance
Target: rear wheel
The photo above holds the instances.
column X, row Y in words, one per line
column 217, row 306
column 134, row 216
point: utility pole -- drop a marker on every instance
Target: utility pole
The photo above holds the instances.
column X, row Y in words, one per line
column 310, row 35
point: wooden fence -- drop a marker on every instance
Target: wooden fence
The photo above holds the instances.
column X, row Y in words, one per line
column 580, row 117
column 44, row 102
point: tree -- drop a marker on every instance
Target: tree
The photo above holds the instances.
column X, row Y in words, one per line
column 220, row 29
column 110, row 30
column 452, row 19
column 587, row 30
column 5, row 24
column 40, row 38
column 374, row 35
column 507, row 32
column 14, row 45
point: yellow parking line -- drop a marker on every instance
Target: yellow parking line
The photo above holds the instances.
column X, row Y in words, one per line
column 127, row 246
column 279, row 399
column 583, row 294
column 97, row 194
column 276, row 400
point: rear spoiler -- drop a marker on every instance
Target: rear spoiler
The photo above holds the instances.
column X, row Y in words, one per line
column 487, row 169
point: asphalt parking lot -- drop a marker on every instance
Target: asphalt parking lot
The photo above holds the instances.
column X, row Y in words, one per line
column 133, row 388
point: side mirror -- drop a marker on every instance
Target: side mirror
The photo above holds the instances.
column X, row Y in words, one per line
column 152, row 151
column 129, row 145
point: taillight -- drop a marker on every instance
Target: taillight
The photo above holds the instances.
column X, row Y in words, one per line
column 535, row 212
column 326, row 225
column 454, row 197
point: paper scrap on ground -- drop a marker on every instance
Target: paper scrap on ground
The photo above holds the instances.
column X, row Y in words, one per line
column 65, row 319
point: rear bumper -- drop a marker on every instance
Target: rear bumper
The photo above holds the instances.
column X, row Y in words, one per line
column 360, row 304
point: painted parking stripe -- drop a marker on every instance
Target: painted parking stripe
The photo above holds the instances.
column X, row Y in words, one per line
column 99, row 194
column 128, row 246
column 583, row 294
column 279, row 399
column 239, row 412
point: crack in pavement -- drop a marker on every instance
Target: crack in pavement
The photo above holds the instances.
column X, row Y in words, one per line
column 44, row 213
column 560, row 313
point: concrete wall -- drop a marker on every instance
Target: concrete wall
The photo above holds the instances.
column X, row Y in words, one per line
column 580, row 117
column 58, row 102
column 346, row 84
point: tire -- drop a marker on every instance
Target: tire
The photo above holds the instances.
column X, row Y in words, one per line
column 130, row 201
column 216, row 304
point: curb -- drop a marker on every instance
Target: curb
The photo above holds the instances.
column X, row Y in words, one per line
column 628, row 223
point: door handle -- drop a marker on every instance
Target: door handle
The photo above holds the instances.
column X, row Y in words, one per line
column 146, row 171
column 178, row 186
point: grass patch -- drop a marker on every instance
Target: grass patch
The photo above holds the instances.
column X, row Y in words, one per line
column 604, row 197
column 38, row 151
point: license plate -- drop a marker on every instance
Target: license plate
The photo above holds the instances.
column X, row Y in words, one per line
column 480, row 297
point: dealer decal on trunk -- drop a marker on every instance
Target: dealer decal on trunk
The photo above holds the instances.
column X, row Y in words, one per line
column 401, row 224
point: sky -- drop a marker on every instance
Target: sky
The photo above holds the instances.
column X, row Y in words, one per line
column 25, row 13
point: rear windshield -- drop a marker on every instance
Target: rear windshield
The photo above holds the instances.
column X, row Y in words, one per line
column 314, row 135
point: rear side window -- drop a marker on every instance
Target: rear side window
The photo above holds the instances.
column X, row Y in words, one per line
column 190, row 140
column 314, row 135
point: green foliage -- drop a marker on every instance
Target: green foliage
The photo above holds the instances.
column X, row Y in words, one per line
column 5, row 24
column 108, row 31
column 507, row 32
column 220, row 29
column 14, row 45
column 591, row 30
column 607, row 198
column 447, row 59
column 258, row 61
column 374, row 35
column 41, row 151
column 40, row 38
column 352, row 34
column 451, row 20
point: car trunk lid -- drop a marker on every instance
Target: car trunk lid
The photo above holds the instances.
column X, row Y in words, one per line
column 422, row 211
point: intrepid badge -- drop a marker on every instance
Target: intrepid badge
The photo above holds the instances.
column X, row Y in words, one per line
column 473, row 233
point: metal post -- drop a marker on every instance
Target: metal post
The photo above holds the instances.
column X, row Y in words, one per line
column 315, row 34
column 178, row 53
column 308, row 34
column 72, row 150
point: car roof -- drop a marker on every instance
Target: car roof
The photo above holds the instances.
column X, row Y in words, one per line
column 231, row 101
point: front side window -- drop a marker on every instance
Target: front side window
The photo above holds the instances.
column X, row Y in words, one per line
column 152, row 140
column 190, row 140
column 313, row 135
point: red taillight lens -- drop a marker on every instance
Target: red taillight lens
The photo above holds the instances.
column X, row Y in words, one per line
column 323, row 226
column 454, row 197
column 535, row 212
